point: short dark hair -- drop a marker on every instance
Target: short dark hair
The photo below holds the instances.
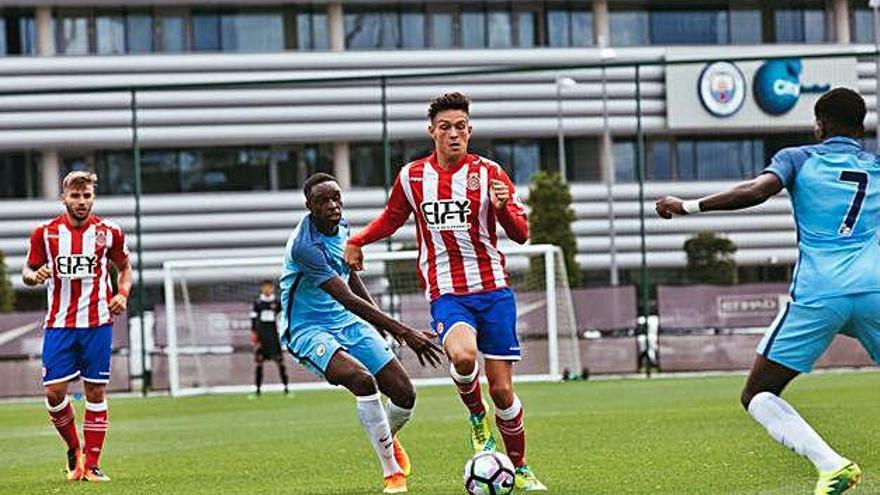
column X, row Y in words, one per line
column 314, row 180
column 449, row 101
column 842, row 111
column 267, row 281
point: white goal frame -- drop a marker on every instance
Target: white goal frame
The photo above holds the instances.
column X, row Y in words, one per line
column 553, row 259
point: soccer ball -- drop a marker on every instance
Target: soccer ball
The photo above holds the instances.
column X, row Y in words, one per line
column 489, row 473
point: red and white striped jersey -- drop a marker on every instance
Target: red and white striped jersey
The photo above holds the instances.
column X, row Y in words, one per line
column 455, row 224
column 79, row 289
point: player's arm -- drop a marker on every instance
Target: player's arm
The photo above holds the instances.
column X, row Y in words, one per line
column 357, row 286
column 743, row 195
column 420, row 342
column 395, row 214
column 118, row 255
column 123, row 287
column 35, row 270
column 510, row 213
column 254, row 315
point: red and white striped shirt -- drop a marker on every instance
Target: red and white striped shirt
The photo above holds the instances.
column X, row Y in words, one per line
column 455, row 223
column 79, row 289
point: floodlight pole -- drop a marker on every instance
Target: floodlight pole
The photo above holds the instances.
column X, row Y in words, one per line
column 141, row 296
column 640, row 176
column 560, row 133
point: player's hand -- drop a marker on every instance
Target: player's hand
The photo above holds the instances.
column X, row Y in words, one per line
column 354, row 257
column 422, row 343
column 669, row 206
column 499, row 194
column 118, row 304
column 41, row 275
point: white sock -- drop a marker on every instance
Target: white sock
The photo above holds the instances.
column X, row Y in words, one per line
column 464, row 379
column 397, row 416
column 375, row 422
column 787, row 427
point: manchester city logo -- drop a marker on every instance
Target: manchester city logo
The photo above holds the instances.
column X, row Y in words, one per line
column 321, row 350
column 721, row 88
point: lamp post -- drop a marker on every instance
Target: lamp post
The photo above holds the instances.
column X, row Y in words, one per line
column 561, row 82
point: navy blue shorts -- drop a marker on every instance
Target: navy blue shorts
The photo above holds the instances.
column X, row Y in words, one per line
column 69, row 353
column 491, row 314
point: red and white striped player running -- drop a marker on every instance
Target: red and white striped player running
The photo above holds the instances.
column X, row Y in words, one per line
column 73, row 253
column 458, row 198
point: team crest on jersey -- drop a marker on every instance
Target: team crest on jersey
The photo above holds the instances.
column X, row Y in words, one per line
column 321, row 350
column 100, row 239
column 473, row 181
column 76, row 266
column 447, row 214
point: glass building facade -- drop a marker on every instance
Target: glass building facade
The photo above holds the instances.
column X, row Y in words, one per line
column 424, row 25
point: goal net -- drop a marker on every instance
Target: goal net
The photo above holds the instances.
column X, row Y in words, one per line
column 203, row 330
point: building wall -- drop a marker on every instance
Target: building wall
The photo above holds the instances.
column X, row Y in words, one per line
column 207, row 151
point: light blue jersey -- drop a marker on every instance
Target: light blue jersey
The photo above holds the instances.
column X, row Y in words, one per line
column 835, row 194
column 310, row 259
column 314, row 325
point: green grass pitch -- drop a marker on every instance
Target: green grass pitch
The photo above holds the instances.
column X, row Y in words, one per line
column 663, row 436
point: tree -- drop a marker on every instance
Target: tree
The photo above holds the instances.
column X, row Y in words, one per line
column 710, row 259
column 7, row 296
column 550, row 223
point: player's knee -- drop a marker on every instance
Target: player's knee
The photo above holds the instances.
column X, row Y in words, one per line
column 361, row 383
column 502, row 394
column 94, row 394
column 404, row 395
column 55, row 395
column 463, row 359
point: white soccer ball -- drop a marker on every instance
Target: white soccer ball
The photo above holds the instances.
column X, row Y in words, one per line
column 489, row 473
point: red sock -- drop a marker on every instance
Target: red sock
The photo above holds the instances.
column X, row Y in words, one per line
column 64, row 419
column 469, row 390
column 510, row 424
column 94, row 429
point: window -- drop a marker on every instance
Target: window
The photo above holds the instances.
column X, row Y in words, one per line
column 569, row 27
column 206, row 32
column 526, row 31
column 500, row 29
column 368, row 164
column 691, row 159
column 252, row 32
column 171, row 35
column 204, row 169
column 295, row 165
column 800, row 25
column 3, row 49
column 745, row 27
column 676, row 27
column 20, row 175
column 862, row 25
column 110, row 34
column 412, row 29
column 441, row 33
column 473, row 29
column 371, row 30
column 311, row 30
column 72, row 34
column 139, row 33
column 685, row 26
column 629, row 28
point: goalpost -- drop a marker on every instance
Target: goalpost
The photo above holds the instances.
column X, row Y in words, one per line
column 206, row 327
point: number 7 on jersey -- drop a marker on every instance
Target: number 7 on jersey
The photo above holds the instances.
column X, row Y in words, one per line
column 861, row 179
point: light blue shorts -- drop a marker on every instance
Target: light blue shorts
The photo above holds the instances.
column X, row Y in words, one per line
column 313, row 347
column 803, row 331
